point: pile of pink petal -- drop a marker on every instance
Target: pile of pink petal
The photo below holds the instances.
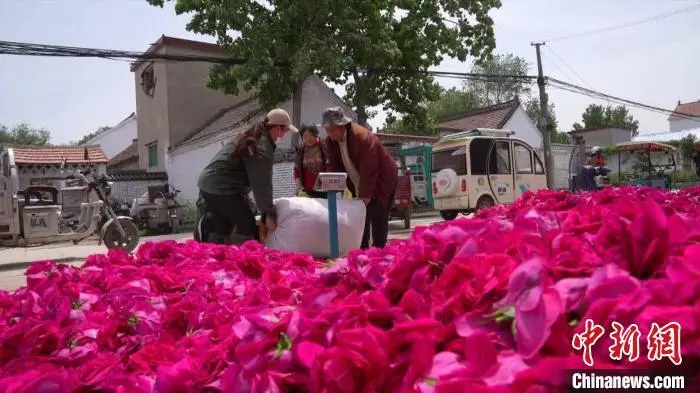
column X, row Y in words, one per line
column 489, row 304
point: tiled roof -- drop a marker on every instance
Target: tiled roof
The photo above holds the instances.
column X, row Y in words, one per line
column 406, row 138
column 687, row 109
column 55, row 154
column 133, row 175
column 128, row 154
column 596, row 128
column 240, row 115
column 494, row 116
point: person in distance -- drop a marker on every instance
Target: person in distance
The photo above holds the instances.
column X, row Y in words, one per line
column 310, row 161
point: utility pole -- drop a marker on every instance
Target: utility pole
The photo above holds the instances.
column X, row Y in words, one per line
column 548, row 161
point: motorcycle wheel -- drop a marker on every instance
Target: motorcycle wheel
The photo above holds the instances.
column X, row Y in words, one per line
column 113, row 239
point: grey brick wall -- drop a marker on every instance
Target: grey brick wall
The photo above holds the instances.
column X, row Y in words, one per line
column 130, row 189
column 283, row 180
column 560, row 154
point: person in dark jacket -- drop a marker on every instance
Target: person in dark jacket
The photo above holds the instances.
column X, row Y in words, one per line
column 310, row 161
column 372, row 171
column 242, row 165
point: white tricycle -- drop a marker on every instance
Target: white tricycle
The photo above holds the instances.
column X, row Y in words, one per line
column 34, row 216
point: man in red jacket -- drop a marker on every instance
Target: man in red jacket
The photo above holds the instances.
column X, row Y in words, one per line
column 372, row 171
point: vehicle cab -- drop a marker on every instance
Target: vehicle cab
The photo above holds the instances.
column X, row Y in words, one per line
column 479, row 168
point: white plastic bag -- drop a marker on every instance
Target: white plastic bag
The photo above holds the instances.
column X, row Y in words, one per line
column 302, row 226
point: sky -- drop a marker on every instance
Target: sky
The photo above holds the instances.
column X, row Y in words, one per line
column 654, row 63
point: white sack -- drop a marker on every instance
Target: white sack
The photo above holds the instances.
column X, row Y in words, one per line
column 302, row 226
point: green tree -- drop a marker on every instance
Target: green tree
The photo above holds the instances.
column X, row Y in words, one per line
column 532, row 107
column 507, row 86
column 23, row 134
column 91, row 135
column 450, row 102
column 368, row 41
column 600, row 116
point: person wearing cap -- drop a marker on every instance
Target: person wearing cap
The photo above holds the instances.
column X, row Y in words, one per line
column 242, row 165
column 595, row 166
column 372, row 171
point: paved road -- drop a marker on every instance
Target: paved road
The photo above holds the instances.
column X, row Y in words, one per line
column 13, row 261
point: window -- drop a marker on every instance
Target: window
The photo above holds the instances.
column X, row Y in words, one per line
column 152, row 154
column 148, row 80
column 523, row 158
column 455, row 159
column 539, row 168
column 498, row 163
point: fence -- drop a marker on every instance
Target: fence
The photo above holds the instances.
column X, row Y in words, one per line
column 131, row 184
column 560, row 157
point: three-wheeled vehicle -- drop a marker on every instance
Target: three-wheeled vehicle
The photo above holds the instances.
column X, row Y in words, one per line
column 401, row 209
column 479, row 168
column 158, row 210
column 647, row 164
column 34, row 215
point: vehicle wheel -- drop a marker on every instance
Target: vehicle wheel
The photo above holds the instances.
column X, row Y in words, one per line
column 448, row 215
column 113, row 239
column 407, row 219
column 484, row 202
column 176, row 226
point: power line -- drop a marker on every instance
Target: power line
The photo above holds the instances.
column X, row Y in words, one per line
column 628, row 24
column 41, row 50
column 566, row 74
column 596, row 94
column 569, row 67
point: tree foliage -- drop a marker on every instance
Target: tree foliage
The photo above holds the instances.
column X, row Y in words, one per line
column 686, row 145
column 23, row 134
column 479, row 93
column 91, row 135
column 493, row 91
column 450, row 102
column 338, row 40
column 601, row 116
column 532, row 107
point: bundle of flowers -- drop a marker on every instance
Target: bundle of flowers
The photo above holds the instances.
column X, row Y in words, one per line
column 511, row 300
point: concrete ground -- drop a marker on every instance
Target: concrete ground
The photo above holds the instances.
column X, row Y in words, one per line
column 14, row 261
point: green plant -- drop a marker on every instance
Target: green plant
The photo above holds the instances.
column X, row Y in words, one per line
column 684, row 177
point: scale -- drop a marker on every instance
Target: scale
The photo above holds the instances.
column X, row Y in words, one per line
column 332, row 183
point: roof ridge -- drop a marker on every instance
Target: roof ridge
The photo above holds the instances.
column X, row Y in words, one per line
column 212, row 119
column 48, row 147
column 479, row 111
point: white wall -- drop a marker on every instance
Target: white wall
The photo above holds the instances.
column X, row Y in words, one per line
column 117, row 138
column 683, row 124
column 185, row 167
column 184, row 170
column 524, row 128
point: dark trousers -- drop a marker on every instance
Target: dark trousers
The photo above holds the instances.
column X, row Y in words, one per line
column 232, row 220
column 316, row 194
column 377, row 221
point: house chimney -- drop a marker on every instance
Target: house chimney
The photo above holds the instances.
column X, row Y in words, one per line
column 679, row 102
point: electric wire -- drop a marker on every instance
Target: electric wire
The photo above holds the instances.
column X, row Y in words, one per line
column 558, row 84
column 627, row 24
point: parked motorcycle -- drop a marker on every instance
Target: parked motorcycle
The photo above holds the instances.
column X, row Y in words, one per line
column 158, row 211
column 36, row 217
